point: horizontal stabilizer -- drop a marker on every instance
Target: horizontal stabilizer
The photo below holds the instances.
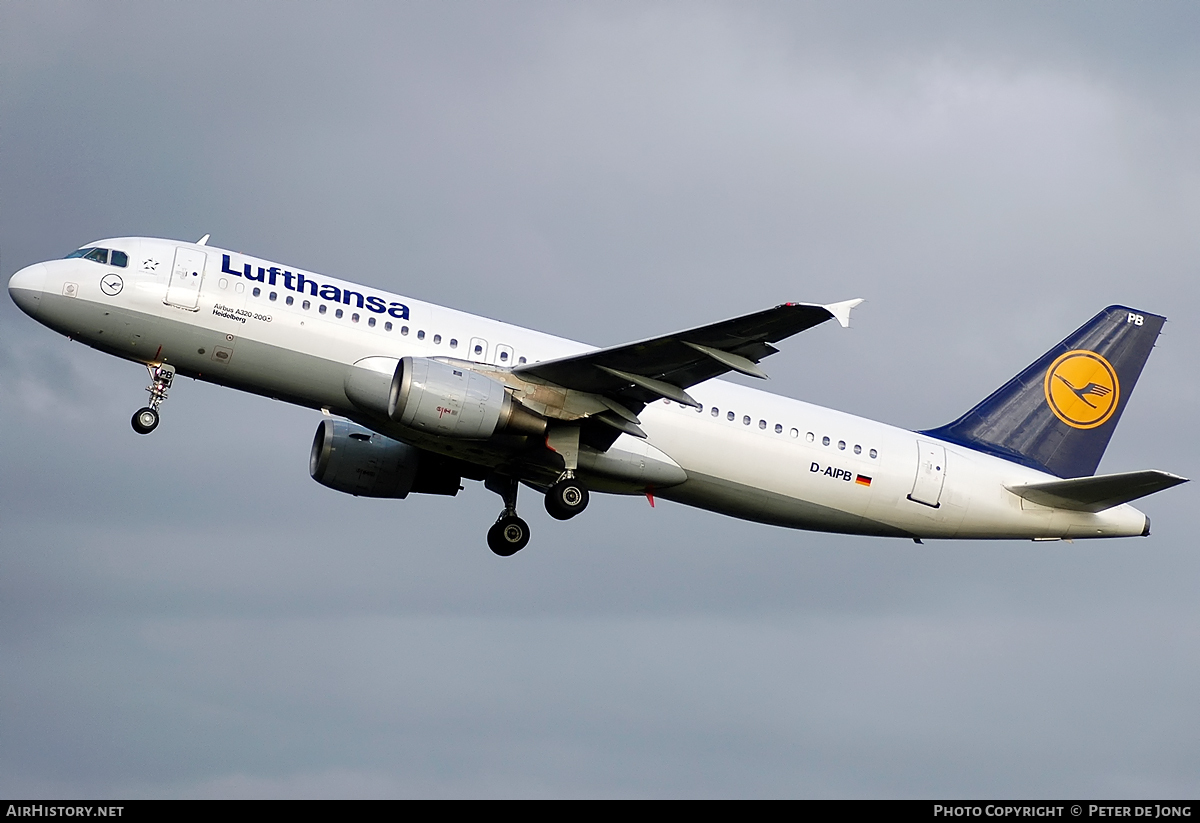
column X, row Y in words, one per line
column 1095, row 494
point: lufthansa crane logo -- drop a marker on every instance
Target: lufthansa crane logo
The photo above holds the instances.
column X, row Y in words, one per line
column 1082, row 389
column 111, row 284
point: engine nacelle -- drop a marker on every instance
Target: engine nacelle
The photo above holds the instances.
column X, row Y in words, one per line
column 357, row 461
column 439, row 398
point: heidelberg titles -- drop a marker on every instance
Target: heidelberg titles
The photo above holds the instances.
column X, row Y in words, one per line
column 295, row 281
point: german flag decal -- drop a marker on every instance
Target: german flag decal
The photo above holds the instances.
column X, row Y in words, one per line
column 862, row 480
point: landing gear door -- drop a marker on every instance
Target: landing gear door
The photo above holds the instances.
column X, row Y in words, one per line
column 186, row 276
column 931, row 474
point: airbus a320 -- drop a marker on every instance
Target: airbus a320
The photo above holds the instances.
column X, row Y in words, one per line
column 417, row 398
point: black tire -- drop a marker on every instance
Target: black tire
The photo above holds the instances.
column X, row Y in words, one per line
column 144, row 420
column 508, row 536
column 566, row 498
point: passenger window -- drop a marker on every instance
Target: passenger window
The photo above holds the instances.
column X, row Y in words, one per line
column 239, row 287
column 874, row 454
column 338, row 314
column 371, row 322
column 321, row 310
column 745, row 420
column 387, row 326
column 272, row 296
column 825, row 440
column 290, row 300
column 421, row 334
column 810, row 437
column 521, row 361
column 778, row 428
column 354, row 317
column 729, row 415
column 716, row 412
column 223, row 283
column 404, row 329
column 503, row 356
column 478, row 349
column 437, row 339
column 795, row 432
column 857, row 449
column 762, row 424
column 454, row 345
column 119, row 258
column 305, row 305
column 257, row 291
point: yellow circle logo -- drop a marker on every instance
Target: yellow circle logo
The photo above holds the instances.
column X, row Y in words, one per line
column 1082, row 389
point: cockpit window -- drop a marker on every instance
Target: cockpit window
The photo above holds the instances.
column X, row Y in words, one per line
column 91, row 253
column 119, row 258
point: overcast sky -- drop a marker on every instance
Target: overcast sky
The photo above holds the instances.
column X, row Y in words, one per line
column 190, row 615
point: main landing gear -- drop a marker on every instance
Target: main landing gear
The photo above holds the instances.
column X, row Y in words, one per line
column 145, row 420
column 510, row 533
column 566, row 498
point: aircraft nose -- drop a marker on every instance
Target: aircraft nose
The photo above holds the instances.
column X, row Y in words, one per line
column 25, row 288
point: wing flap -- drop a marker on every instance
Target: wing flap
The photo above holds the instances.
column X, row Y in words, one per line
column 1095, row 494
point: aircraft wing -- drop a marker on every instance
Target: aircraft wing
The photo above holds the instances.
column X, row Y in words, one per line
column 642, row 372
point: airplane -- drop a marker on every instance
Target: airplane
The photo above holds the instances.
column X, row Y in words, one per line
column 417, row 397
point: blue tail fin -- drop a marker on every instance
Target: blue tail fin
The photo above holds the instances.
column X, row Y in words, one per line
column 1059, row 414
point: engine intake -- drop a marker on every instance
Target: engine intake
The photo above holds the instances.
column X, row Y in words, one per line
column 355, row 460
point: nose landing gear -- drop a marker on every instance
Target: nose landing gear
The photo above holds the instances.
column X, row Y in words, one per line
column 510, row 533
column 145, row 420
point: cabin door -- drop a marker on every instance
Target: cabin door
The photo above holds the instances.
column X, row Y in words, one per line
column 186, row 276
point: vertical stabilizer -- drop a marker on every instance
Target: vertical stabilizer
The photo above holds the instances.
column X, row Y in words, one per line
column 1059, row 414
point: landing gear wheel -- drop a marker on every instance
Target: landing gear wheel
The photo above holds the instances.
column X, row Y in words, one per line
column 508, row 536
column 566, row 498
column 145, row 420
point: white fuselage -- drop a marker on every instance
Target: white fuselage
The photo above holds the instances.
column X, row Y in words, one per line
column 746, row 453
